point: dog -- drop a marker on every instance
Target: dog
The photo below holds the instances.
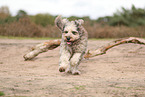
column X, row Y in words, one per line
column 73, row 44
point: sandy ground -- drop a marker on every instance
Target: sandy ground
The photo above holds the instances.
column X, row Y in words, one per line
column 118, row 73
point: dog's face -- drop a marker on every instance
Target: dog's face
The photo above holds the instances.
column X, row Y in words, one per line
column 70, row 32
column 70, row 29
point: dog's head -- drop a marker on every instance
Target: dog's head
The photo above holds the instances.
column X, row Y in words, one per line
column 71, row 30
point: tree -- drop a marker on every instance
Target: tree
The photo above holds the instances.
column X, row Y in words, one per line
column 5, row 16
column 4, row 10
column 128, row 17
column 43, row 19
column 21, row 14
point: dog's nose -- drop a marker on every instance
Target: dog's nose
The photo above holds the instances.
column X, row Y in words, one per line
column 68, row 38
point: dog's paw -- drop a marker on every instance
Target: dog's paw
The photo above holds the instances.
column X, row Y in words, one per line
column 68, row 71
column 76, row 72
column 61, row 69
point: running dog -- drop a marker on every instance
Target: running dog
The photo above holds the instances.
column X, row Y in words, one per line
column 73, row 44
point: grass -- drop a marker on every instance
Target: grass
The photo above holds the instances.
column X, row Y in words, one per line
column 45, row 38
column 102, row 38
column 2, row 93
column 79, row 87
column 23, row 38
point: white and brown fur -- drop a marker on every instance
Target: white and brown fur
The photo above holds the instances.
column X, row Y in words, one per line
column 73, row 44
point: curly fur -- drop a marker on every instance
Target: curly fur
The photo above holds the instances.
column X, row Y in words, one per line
column 73, row 44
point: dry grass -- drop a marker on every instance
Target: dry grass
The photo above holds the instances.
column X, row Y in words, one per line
column 25, row 28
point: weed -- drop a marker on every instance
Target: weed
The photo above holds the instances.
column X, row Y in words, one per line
column 23, row 38
column 79, row 87
column 2, row 93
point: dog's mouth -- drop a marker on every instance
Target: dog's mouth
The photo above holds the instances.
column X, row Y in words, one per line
column 69, row 42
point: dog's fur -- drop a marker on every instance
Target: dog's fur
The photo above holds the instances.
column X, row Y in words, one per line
column 73, row 44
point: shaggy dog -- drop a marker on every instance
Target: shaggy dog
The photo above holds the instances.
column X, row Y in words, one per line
column 73, row 44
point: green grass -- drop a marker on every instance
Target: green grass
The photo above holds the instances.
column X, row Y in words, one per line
column 23, row 38
column 46, row 38
column 103, row 38
column 79, row 87
column 2, row 93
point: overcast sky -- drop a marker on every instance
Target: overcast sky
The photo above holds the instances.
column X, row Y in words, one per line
column 92, row 8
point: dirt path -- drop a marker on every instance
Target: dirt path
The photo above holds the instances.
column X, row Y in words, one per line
column 119, row 73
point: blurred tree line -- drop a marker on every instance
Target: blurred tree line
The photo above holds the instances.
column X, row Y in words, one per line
column 123, row 23
column 127, row 17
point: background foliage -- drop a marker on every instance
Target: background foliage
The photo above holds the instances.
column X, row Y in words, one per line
column 123, row 23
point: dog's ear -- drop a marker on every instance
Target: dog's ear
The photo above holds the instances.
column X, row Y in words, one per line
column 79, row 22
column 60, row 23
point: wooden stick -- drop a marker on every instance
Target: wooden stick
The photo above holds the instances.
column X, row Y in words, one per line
column 40, row 48
column 43, row 47
column 102, row 50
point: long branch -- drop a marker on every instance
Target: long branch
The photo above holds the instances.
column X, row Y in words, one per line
column 51, row 44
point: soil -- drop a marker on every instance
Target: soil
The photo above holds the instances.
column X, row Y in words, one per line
column 118, row 73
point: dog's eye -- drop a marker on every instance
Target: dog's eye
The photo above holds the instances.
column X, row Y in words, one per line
column 65, row 31
column 74, row 32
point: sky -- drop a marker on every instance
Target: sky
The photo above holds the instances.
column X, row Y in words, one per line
column 92, row 8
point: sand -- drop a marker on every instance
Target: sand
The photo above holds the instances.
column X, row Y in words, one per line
column 118, row 73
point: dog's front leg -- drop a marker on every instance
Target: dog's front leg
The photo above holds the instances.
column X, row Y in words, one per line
column 74, row 62
column 64, row 60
